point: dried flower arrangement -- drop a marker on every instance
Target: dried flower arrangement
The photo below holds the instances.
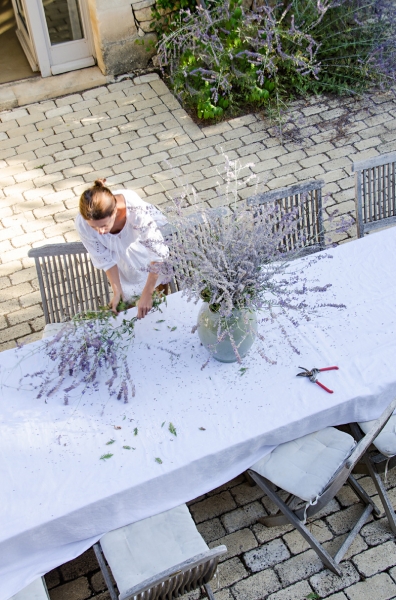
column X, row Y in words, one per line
column 238, row 260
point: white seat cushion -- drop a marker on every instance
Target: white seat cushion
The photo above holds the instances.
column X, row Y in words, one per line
column 146, row 548
column 385, row 442
column 51, row 329
column 34, row 591
column 304, row 467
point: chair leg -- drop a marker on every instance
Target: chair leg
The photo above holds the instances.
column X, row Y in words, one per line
column 352, row 534
column 363, row 495
column 105, row 571
column 249, row 479
column 325, row 557
column 390, row 513
column 373, row 472
column 208, row 591
column 274, row 520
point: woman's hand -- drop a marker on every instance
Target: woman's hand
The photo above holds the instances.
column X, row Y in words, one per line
column 144, row 304
column 114, row 279
column 115, row 301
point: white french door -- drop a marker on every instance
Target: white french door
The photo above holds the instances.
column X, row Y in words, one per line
column 54, row 34
column 24, row 34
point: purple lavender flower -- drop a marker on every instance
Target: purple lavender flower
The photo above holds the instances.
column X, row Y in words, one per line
column 241, row 259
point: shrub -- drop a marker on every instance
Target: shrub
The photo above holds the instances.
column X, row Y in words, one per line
column 356, row 44
column 225, row 56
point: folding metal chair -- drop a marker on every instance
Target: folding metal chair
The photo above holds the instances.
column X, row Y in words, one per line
column 379, row 459
column 375, row 192
column 305, row 200
column 35, row 591
column 312, row 469
column 161, row 557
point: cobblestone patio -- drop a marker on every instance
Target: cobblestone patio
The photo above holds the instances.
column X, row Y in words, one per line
column 270, row 563
column 136, row 134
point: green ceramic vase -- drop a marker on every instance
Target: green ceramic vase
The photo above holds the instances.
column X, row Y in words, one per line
column 242, row 324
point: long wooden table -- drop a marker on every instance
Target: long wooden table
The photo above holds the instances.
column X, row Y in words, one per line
column 58, row 497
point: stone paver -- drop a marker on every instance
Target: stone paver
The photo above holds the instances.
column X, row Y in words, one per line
column 136, row 134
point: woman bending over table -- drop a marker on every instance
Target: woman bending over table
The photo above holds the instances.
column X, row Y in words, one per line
column 121, row 234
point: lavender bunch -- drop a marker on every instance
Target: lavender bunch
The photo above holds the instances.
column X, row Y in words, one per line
column 83, row 350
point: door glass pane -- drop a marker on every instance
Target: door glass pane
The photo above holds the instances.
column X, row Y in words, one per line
column 63, row 20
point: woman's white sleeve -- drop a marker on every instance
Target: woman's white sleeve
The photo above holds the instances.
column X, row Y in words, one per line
column 100, row 256
column 151, row 237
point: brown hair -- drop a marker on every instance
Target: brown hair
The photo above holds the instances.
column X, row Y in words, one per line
column 97, row 202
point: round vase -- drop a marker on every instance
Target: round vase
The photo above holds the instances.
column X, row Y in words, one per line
column 241, row 324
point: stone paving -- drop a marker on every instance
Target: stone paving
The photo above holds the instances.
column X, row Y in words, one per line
column 270, row 563
column 136, row 134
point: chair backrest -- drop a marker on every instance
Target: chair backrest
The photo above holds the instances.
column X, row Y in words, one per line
column 178, row 580
column 69, row 283
column 305, row 200
column 375, row 192
column 360, row 449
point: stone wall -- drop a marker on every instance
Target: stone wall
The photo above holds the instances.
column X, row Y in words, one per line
column 121, row 32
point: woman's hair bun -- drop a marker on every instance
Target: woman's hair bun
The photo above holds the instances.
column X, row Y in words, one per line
column 97, row 202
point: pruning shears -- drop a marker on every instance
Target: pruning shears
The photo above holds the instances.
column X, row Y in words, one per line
column 313, row 376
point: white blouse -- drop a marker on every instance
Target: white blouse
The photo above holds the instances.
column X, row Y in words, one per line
column 139, row 243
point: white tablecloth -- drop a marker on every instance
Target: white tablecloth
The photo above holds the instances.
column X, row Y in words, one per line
column 57, row 497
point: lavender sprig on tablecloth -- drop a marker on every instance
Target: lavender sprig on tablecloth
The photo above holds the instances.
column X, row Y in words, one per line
column 84, row 351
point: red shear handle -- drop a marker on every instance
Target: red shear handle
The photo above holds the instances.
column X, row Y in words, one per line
column 324, row 387
column 329, row 369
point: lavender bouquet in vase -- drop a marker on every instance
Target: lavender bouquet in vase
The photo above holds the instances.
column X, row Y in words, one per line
column 234, row 259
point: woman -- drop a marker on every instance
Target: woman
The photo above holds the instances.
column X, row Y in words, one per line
column 121, row 234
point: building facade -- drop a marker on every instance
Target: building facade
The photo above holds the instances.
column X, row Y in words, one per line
column 63, row 35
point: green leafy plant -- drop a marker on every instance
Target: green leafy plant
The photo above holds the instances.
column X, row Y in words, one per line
column 355, row 45
column 222, row 57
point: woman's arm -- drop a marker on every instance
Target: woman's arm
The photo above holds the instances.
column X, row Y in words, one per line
column 145, row 302
column 113, row 276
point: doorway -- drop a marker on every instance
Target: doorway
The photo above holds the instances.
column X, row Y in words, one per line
column 54, row 35
column 13, row 62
